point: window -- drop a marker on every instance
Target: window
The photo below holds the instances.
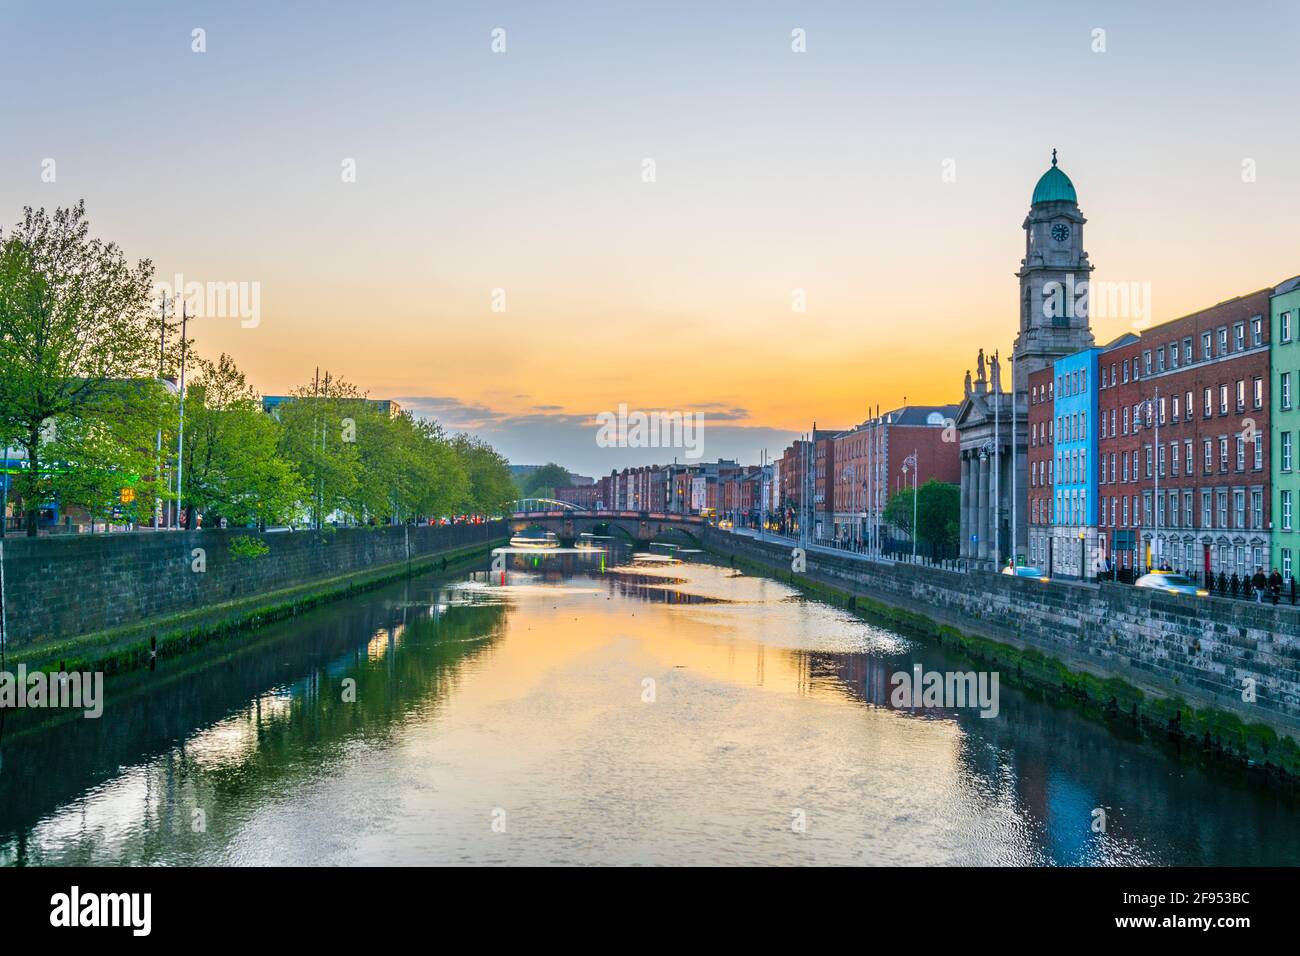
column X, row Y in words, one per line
column 1206, row 346
column 1125, row 468
column 1223, row 341
column 1173, row 355
column 1146, row 362
column 1223, row 453
column 1187, row 454
column 1241, row 395
column 1209, row 456
column 1125, row 510
column 1259, row 451
column 1241, row 453
column 1160, row 464
column 1223, row 509
column 1125, row 367
column 1257, row 510
column 1284, row 390
column 1207, row 511
column 1174, row 406
column 1239, row 336
column 1257, row 330
column 1207, row 402
column 1187, row 509
column 1187, row 351
column 1286, row 451
column 1125, row 419
column 1239, row 509
column 1286, row 563
column 1284, row 330
column 1187, row 400
column 1223, row 399
column 1160, row 360
column 1173, row 458
column 1146, row 449
column 1162, row 411
column 1257, row 391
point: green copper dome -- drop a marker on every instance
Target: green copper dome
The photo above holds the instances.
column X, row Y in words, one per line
column 1054, row 186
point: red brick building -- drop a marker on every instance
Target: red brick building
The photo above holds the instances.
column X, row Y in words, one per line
column 586, row 497
column 868, row 463
column 1196, row 497
column 1119, row 482
column 1041, row 421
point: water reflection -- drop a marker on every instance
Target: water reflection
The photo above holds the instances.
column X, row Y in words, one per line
column 610, row 708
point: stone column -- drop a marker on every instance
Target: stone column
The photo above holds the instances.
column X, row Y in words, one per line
column 964, row 549
column 982, row 509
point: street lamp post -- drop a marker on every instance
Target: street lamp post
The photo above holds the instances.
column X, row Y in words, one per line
column 180, row 440
column 1152, row 407
column 910, row 463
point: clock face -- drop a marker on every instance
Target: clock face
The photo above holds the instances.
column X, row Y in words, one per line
column 1060, row 232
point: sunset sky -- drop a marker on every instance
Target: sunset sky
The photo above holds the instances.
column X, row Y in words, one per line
column 775, row 171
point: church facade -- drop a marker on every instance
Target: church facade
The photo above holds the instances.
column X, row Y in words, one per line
column 993, row 419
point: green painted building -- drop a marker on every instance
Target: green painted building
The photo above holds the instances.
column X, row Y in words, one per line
column 1284, row 362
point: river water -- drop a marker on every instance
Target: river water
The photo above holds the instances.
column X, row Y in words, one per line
column 612, row 708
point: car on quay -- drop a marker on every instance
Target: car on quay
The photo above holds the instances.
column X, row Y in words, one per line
column 1171, row 582
column 1024, row 571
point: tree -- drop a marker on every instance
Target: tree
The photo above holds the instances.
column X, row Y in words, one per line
column 318, row 435
column 543, row 482
column 74, row 326
column 232, row 465
column 938, row 514
column 490, row 483
column 105, row 463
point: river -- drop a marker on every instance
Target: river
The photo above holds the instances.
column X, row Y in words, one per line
column 609, row 708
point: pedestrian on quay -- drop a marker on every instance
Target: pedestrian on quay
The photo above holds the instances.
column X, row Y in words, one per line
column 1275, row 586
column 1260, row 584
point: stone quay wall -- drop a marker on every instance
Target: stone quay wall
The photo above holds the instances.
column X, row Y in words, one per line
column 1204, row 650
column 63, row 586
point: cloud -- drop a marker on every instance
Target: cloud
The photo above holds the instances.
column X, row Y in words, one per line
column 547, row 433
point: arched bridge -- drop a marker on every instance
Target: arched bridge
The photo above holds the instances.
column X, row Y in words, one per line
column 569, row 523
column 539, row 505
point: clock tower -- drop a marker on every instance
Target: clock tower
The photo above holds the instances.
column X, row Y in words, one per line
column 1054, row 277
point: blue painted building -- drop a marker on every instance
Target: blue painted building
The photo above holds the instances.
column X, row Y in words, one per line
column 1074, row 512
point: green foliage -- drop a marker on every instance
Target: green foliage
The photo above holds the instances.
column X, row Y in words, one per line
column 938, row 513
column 245, row 547
column 490, row 485
column 81, row 395
column 232, row 468
column 543, row 482
column 100, row 461
column 75, row 325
